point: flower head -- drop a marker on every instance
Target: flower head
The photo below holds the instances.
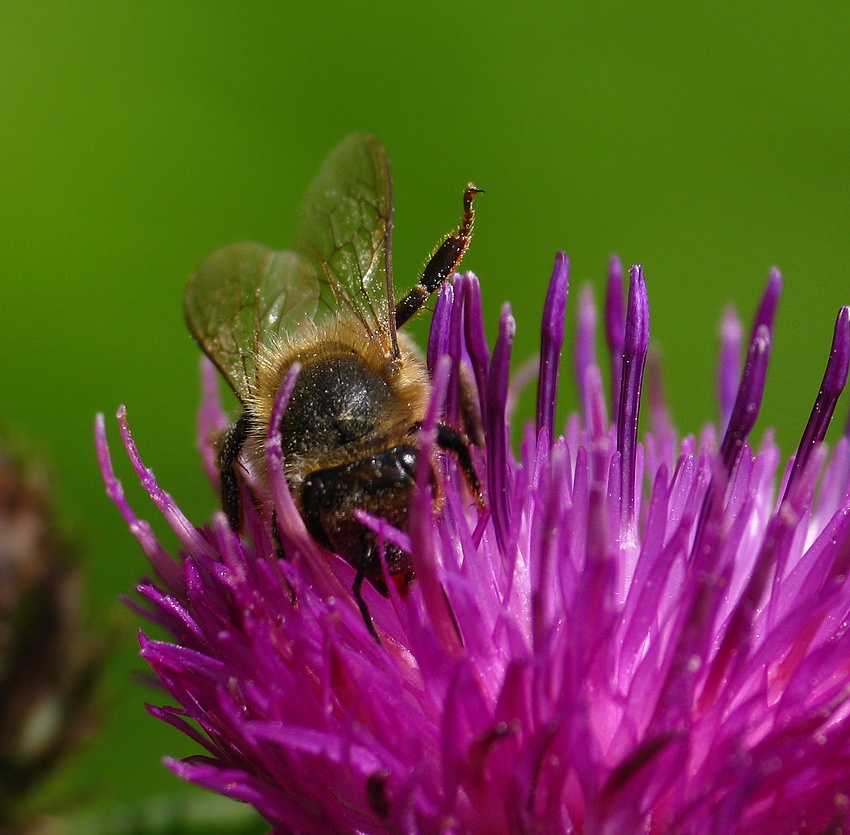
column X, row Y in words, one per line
column 640, row 633
column 49, row 658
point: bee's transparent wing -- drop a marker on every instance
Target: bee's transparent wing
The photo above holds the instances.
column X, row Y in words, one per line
column 346, row 229
column 242, row 296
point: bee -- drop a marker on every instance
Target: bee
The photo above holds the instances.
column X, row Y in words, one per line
column 350, row 430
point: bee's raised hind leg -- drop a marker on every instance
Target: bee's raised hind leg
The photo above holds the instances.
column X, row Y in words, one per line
column 443, row 262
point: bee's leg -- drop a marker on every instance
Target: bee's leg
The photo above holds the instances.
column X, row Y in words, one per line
column 363, row 568
column 443, row 261
column 470, row 410
column 451, row 440
column 227, row 458
column 278, row 545
column 281, row 555
column 451, row 612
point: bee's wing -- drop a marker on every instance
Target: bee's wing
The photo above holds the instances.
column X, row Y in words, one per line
column 346, row 230
column 242, row 296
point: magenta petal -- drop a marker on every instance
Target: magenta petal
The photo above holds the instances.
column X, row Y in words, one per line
column 615, row 328
column 551, row 340
column 729, row 364
column 635, row 347
column 834, row 380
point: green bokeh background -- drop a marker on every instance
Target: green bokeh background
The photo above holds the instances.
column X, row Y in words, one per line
column 706, row 141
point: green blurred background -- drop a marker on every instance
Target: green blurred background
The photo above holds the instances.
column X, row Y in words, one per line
column 706, row 141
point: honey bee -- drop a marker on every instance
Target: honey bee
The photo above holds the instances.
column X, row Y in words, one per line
column 350, row 431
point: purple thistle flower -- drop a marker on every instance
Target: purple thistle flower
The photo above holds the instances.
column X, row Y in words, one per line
column 641, row 633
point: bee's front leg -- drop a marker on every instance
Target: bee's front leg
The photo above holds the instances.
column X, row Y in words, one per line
column 227, row 458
